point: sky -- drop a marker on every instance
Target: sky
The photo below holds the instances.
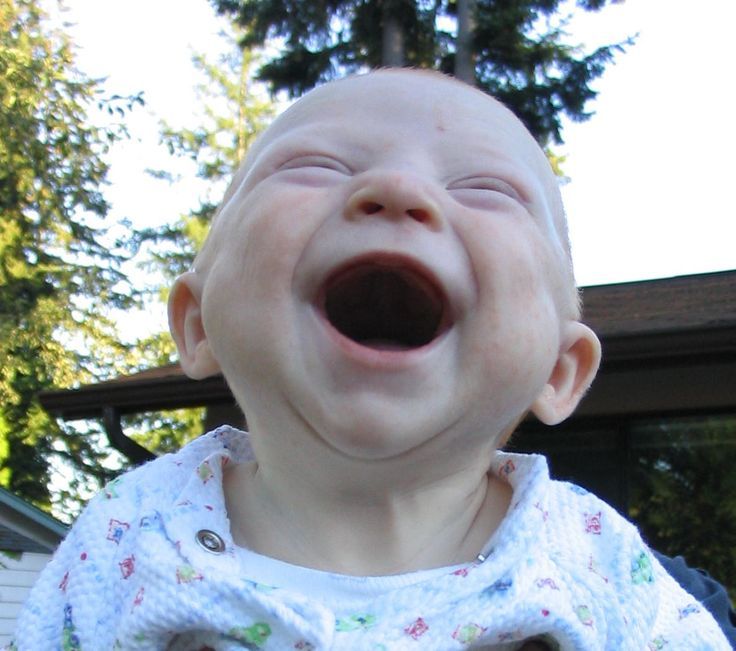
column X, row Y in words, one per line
column 652, row 173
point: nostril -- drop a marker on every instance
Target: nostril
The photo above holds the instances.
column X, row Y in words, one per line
column 418, row 214
column 371, row 207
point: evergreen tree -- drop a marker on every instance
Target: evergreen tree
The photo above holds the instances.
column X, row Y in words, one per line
column 514, row 49
column 58, row 270
column 233, row 115
column 234, row 112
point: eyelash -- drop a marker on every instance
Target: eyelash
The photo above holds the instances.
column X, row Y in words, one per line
column 487, row 184
column 315, row 161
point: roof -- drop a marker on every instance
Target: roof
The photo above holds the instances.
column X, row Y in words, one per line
column 154, row 390
column 637, row 321
column 678, row 303
column 670, row 317
column 25, row 528
column 12, row 541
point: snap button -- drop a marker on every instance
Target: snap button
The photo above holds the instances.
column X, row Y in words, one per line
column 210, row 541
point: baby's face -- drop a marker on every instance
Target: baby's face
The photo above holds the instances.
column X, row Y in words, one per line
column 388, row 270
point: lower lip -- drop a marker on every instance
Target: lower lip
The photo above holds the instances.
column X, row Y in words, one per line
column 375, row 357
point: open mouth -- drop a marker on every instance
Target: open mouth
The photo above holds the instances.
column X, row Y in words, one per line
column 385, row 307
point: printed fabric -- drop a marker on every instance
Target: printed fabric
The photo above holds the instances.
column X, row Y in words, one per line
column 150, row 564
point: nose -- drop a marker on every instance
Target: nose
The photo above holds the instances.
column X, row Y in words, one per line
column 395, row 196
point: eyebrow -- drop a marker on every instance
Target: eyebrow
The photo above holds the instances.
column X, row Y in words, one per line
column 330, row 142
column 496, row 162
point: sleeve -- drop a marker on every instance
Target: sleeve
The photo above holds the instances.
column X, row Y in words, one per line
column 706, row 590
column 75, row 600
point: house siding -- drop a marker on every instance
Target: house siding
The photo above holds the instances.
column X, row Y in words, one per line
column 18, row 573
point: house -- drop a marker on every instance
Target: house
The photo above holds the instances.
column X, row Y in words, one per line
column 28, row 537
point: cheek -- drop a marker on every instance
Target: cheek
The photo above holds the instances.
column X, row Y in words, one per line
column 511, row 268
column 266, row 242
column 515, row 331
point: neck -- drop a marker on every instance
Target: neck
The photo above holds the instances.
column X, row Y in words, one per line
column 365, row 528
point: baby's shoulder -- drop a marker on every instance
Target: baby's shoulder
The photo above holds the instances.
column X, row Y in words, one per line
column 603, row 552
column 153, row 486
column 582, row 524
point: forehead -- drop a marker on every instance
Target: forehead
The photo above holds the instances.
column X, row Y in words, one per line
column 380, row 107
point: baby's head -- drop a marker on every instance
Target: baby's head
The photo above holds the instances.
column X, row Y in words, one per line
column 390, row 262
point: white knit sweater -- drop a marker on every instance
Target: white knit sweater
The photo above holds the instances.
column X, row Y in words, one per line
column 150, row 564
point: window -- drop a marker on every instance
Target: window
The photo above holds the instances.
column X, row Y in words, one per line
column 675, row 477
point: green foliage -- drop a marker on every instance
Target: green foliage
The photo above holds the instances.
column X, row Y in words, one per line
column 233, row 114
column 683, row 491
column 519, row 48
column 57, row 270
column 523, row 60
column 165, row 431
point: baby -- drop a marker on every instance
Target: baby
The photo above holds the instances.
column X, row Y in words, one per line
column 388, row 290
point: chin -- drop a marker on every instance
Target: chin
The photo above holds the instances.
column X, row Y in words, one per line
column 380, row 433
column 372, row 439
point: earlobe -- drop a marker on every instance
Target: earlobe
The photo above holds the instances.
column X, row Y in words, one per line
column 187, row 329
column 576, row 367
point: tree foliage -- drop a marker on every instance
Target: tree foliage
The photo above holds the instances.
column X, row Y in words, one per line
column 57, row 267
column 514, row 49
column 233, row 113
column 683, row 491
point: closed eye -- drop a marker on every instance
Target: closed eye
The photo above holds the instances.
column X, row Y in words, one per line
column 480, row 191
column 312, row 170
column 316, row 161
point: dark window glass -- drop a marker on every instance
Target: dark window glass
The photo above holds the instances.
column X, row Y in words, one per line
column 674, row 477
column 682, row 490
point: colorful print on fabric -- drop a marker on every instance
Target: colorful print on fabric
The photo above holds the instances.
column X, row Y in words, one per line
column 205, row 472
column 502, row 585
column 417, row 628
column 593, row 523
column 593, row 567
column 116, row 530
column 127, row 566
column 642, row 570
column 187, row 574
column 657, row 643
column 355, row 623
column 150, row 523
column 468, row 633
column 138, row 599
column 690, row 609
column 507, row 468
column 542, row 511
column 255, row 636
column 547, row 583
column 69, row 639
column 584, row 615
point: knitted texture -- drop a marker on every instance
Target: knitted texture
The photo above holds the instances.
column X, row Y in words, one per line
column 136, row 572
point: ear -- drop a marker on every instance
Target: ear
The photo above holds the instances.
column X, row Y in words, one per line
column 185, row 323
column 576, row 366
